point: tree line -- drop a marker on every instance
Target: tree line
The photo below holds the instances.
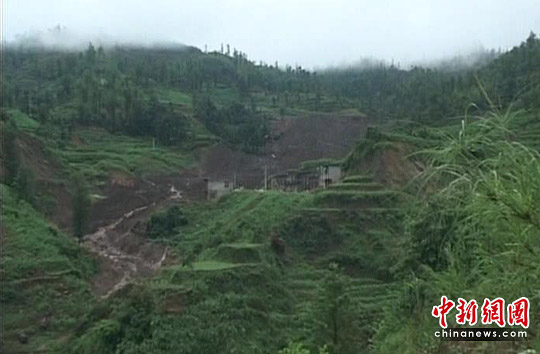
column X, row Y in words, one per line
column 116, row 88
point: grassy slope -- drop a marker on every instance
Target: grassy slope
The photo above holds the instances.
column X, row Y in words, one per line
column 223, row 95
column 22, row 120
column 234, row 294
column 408, row 326
column 95, row 153
column 231, row 297
column 44, row 272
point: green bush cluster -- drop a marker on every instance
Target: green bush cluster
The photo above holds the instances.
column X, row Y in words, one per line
column 165, row 223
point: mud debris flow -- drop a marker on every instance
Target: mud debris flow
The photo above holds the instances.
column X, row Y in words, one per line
column 123, row 253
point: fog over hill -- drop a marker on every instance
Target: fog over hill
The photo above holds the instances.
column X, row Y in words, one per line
column 65, row 39
column 62, row 38
column 307, row 33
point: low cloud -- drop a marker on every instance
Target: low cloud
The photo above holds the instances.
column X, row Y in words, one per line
column 307, row 33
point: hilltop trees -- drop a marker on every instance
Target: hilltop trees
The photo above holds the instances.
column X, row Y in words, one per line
column 117, row 89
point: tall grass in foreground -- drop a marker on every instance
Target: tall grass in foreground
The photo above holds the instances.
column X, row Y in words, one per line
column 474, row 233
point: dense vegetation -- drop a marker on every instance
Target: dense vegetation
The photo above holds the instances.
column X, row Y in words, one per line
column 352, row 268
column 44, row 278
column 472, row 231
column 149, row 91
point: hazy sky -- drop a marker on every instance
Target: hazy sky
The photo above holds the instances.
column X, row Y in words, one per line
column 306, row 32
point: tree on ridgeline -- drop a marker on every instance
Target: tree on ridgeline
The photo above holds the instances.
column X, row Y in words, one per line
column 81, row 205
column 11, row 151
column 24, row 185
column 170, row 128
column 336, row 314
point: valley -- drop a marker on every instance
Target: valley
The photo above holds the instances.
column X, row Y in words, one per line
column 116, row 240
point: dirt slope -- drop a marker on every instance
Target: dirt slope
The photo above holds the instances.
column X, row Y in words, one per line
column 122, row 250
column 125, row 202
column 294, row 139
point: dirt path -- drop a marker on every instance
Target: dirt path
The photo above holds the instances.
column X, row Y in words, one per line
column 124, row 253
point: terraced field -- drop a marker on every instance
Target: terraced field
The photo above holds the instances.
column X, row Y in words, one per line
column 355, row 192
column 367, row 208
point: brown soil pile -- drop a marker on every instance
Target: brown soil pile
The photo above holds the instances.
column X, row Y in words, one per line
column 391, row 166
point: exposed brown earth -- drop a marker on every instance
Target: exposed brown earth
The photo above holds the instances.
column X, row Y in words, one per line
column 123, row 251
column 294, row 140
column 46, row 169
column 118, row 217
column 391, row 165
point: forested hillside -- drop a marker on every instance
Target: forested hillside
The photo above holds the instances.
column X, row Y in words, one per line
column 145, row 91
column 110, row 244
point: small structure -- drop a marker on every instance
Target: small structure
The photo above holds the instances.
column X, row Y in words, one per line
column 329, row 174
column 218, row 188
column 279, row 181
column 294, row 181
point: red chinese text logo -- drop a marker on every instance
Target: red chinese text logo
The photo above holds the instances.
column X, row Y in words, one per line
column 467, row 312
column 518, row 312
column 492, row 311
column 442, row 310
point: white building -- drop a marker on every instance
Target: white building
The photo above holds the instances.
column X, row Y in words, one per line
column 329, row 174
column 216, row 189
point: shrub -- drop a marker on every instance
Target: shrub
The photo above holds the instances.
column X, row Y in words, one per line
column 311, row 234
column 81, row 207
column 164, row 223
